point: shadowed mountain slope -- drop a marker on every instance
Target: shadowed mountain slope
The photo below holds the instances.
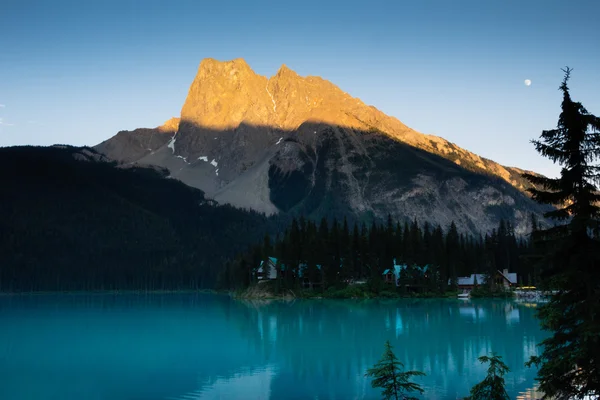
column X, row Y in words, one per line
column 69, row 220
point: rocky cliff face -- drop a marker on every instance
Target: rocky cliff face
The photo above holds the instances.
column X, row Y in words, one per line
column 129, row 147
column 302, row 145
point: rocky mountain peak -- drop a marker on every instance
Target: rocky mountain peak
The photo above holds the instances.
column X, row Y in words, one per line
column 285, row 71
column 227, row 94
column 170, row 126
column 302, row 144
column 224, row 94
column 210, row 66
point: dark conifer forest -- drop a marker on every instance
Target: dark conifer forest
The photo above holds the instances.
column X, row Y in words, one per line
column 334, row 254
column 71, row 220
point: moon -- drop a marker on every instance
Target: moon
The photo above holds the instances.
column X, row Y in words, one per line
column 527, row 82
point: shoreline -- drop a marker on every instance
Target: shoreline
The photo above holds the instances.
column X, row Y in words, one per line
column 256, row 293
column 268, row 292
column 103, row 292
column 441, row 297
column 237, row 296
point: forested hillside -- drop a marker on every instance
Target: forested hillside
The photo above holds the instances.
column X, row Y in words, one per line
column 331, row 255
column 70, row 220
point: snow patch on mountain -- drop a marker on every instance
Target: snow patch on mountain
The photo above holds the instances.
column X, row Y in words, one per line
column 272, row 99
column 171, row 144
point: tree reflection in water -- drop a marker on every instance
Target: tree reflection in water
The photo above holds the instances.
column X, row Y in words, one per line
column 323, row 347
column 188, row 346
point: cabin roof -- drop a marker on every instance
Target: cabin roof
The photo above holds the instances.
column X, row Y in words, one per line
column 303, row 266
column 272, row 271
column 395, row 270
column 273, row 260
column 509, row 276
column 470, row 280
column 398, row 268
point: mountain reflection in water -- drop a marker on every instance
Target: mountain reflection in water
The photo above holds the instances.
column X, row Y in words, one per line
column 201, row 346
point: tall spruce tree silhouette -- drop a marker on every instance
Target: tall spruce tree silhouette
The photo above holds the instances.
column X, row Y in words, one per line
column 570, row 254
column 388, row 374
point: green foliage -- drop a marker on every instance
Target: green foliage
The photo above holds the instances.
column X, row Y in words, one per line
column 569, row 254
column 388, row 294
column 388, row 375
column 498, row 292
column 375, row 284
column 350, row 292
column 334, row 256
column 492, row 386
column 71, row 224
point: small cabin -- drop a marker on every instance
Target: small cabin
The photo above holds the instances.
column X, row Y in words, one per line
column 413, row 276
column 469, row 282
column 504, row 278
column 392, row 275
column 305, row 279
column 267, row 271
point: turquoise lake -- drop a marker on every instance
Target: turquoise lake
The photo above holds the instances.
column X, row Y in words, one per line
column 204, row 346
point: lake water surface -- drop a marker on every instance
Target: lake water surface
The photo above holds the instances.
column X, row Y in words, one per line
column 203, row 346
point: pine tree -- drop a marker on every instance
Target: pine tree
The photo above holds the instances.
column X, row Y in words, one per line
column 491, row 243
column 312, row 274
column 501, row 249
column 375, row 254
column 416, row 239
column 492, row 386
column 283, row 250
column 322, row 252
column 295, row 245
column 256, row 259
column 388, row 238
column 407, row 249
column 345, row 251
column 569, row 363
column 424, row 257
column 267, row 249
column 355, row 253
column 365, row 253
column 332, row 273
column 462, row 256
column 388, row 375
column 437, row 255
column 533, row 221
column 452, row 250
column 532, row 256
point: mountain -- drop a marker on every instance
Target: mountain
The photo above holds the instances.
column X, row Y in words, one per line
column 301, row 145
column 70, row 220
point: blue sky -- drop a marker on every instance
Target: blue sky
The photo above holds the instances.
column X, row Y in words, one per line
column 77, row 72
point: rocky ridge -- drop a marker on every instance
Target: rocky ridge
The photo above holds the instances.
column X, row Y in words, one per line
column 300, row 144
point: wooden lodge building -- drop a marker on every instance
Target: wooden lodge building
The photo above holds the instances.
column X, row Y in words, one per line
column 417, row 275
column 504, row 278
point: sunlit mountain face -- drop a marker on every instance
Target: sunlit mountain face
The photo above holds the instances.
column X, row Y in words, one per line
column 301, row 145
